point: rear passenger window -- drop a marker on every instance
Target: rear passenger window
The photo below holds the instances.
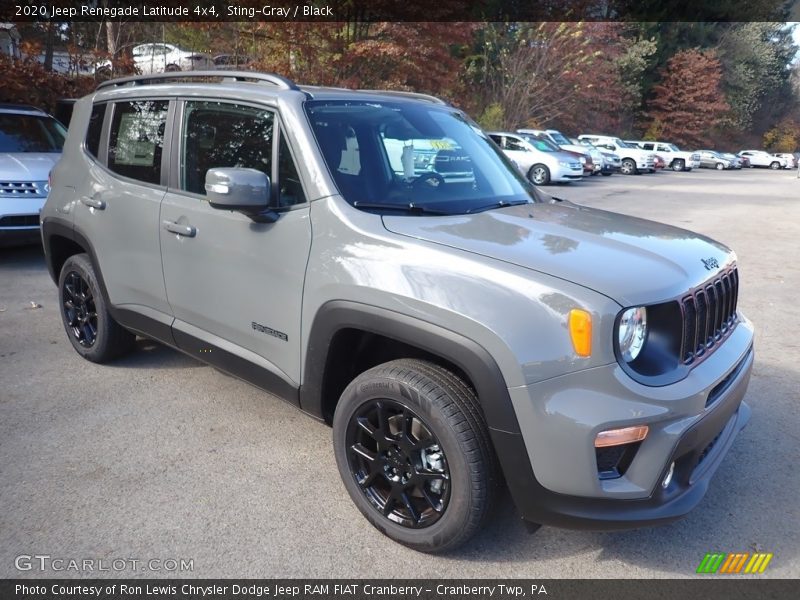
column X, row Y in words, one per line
column 218, row 135
column 137, row 139
column 95, row 129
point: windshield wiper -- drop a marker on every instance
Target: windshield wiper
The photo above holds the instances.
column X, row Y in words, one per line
column 498, row 204
column 407, row 207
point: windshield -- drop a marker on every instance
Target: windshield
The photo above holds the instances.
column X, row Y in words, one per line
column 541, row 144
column 673, row 147
column 30, row 133
column 559, row 138
column 620, row 144
column 413, row 155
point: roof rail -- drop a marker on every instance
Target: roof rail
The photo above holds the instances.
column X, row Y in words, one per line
column 276, row 80
column 416, row 95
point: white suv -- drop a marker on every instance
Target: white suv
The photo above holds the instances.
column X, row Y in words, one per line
column 30, row 145
column 759, row 158
column 157, row 58
column 634, row 159
column 676, row 159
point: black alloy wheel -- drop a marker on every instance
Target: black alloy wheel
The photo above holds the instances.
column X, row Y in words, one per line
column 80, row 312
column 414, row 453
column 398, row 463
column 91, row 329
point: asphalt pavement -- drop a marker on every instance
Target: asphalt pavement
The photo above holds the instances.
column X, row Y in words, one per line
column 157, row 457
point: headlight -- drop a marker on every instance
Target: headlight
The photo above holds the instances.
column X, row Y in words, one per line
column 563, row 163
column 632, row 332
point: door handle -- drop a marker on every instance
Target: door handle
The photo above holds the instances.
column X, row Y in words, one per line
column 184, row 230
column 93, row 203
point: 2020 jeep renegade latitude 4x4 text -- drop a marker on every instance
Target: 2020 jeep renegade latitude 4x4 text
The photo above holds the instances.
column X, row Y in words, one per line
column 455, row 331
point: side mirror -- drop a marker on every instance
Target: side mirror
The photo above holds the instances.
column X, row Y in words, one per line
column 244, row 190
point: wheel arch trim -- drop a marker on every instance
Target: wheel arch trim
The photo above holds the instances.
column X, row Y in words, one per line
column 474, row 360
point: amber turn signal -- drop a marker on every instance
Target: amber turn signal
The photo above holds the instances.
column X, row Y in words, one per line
column 617, row 437
column 580, row 330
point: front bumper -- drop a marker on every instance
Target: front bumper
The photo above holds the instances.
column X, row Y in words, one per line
column 553, row 476
column 19, row 220
column 561, row 174
column 646, row 165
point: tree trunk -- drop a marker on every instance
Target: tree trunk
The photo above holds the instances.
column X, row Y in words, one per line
column 112, row 37
column 48, row 46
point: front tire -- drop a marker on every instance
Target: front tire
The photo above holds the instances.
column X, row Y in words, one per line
column 628, row 167
column 413, row 452
column 539, row 174
column 719, row 166
column 678, row 165
column 91, row 329
column 775, row 165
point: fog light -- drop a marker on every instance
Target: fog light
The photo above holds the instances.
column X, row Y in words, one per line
column 668, row 478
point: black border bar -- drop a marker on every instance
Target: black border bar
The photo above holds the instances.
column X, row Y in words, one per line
column 395, row 10
column 708, row 587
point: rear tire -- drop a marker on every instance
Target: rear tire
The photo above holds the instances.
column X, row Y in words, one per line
column 91, row 329
column 414, row 454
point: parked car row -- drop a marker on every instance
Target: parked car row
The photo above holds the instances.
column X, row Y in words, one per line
column 165, row 58
column 548, row 156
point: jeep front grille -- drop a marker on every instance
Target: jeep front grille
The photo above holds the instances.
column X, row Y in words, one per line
column 709, row 315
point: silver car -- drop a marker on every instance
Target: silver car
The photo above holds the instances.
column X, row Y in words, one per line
column 710, row 159
column 456, row 333
column 540, row 160
column 30, row 145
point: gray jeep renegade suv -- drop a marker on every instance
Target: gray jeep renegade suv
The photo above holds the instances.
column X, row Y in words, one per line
column 373, row 258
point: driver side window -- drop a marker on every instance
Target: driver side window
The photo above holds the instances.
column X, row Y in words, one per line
column 218, row 134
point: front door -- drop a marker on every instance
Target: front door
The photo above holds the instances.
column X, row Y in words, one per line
column 235, row 286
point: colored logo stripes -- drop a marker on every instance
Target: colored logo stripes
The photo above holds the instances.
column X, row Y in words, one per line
column 743, row 562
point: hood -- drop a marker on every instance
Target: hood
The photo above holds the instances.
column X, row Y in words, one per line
column 575, row 148
column 566, row 156
column 630, row 260
column 634, row 152
column 27, row 166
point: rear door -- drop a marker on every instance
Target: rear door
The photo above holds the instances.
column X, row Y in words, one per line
column 119, row 204
column 235, row 286
column 517, row 151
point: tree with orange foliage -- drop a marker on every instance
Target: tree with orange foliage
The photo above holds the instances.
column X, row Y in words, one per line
column 688, row 102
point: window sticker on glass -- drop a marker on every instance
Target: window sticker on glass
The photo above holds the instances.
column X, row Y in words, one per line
column 135, row 147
